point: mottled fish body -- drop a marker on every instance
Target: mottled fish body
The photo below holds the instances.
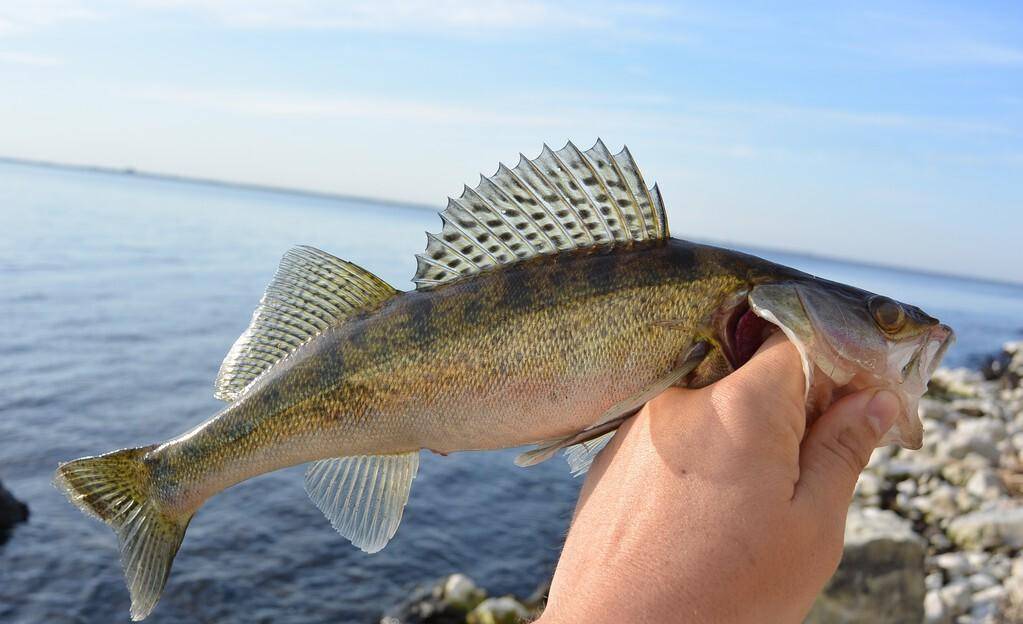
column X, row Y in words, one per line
column 551, row 307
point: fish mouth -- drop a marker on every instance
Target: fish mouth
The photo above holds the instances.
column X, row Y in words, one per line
column 929, row 354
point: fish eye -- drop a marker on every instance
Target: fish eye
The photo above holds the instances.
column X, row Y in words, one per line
column 888, row 314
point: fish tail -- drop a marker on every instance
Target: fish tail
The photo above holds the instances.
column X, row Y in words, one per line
column 118, row 488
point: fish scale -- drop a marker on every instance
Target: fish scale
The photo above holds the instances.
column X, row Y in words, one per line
column 551, row 306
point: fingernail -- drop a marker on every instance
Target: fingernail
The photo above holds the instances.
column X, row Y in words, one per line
column 882, row 411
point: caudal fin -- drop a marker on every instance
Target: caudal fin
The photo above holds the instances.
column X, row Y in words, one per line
column 117, row 488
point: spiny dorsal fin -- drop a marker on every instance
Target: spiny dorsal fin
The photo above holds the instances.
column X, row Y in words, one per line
column 559, row 201
column 363, row 496
column 311, row 291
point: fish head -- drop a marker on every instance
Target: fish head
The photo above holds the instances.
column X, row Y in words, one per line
column 849, row 340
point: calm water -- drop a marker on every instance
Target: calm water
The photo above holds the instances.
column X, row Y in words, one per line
column 120, row 296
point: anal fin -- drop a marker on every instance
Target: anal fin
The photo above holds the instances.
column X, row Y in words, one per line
column 363, row 496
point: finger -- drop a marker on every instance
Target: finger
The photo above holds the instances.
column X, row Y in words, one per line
column 776, row 366
column 772, row 382
column 839, row 445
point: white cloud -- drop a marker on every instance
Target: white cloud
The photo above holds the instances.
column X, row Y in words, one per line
column 953, row 53
column 399, row 15
column 27, row 58
column 22, row 16
column 288, row 104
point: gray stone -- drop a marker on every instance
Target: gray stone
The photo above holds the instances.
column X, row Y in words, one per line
column 989, row 528
column 985, row 484
column 881, row 577
column 503, row 610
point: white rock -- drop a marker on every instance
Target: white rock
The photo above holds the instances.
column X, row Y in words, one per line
column 954, row 563
column 956, row 596
column 935, row 611
column 959, row 381
column 978, row 560
column 934, row 581
column 460, row 591
column 985, row 484
column 868, row 485
column 999, row 566
column 975, row 435
column 990, row 528
column 981, row 581
column 992, row 593
column 942, row 501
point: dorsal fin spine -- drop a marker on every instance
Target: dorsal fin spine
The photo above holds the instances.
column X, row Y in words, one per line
column 652, row 204
column 638, row 230
column 584, row 159
column 455, row 208
column 460, row 208
column 437, row 239
column 582, row 190
column 561, row 197
column 466, row 191
column 564, row 198
column 458, row 228
column 655, row 193
column 498, row 190
column 539, row 200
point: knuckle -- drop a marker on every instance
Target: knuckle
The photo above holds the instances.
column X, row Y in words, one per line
column 849, row 450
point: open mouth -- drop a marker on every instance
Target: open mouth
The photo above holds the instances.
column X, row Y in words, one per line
column 744, row 332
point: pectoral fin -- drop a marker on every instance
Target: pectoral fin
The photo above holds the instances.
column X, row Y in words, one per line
column 582, row 447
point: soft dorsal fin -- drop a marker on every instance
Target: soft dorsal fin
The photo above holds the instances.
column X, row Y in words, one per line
column 310, row 291
column 559, row 201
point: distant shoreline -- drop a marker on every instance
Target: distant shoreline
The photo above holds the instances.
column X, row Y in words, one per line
column 183, row 179
column 298, row 192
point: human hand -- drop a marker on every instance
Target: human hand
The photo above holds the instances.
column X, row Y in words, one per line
column 709, row 505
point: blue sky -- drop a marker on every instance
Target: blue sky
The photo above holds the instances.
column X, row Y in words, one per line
column 887, row 132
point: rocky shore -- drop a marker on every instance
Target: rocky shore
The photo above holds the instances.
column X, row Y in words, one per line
column 933, row 536
column 12, row 511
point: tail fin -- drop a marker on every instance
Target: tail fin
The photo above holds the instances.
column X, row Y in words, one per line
column 117, row 488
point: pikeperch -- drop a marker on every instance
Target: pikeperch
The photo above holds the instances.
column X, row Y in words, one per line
column 550, row 307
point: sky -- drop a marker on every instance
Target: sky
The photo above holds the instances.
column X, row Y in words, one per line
column 887, row 132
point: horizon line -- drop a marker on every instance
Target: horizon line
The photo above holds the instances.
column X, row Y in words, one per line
column 337, row 196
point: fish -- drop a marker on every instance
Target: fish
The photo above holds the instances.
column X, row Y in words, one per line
column 550, row 307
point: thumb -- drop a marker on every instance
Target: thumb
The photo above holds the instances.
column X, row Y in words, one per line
column 839, row 445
